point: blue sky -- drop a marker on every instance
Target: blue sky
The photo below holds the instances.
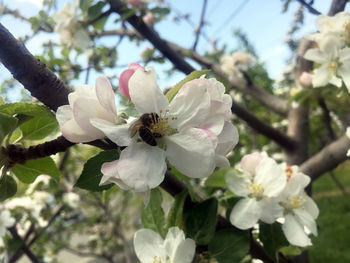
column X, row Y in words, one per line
column 262, row 21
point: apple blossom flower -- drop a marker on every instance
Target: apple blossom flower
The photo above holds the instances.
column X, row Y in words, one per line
column 192, row 133
column 134, row 3
column 298, row 209
column 71, row 32
column 258, row 186
column 85, row 103
column 71, row 199
column 5, row 221
column 151, row 247
column 305, row 78
column 334, row 63
column 148, row 18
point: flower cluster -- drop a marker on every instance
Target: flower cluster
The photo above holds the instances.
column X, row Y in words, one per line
column 273, row 191
column 151, row 247
column 193, row 132
column 332, row 53
column 71, row 31
column 233, row 64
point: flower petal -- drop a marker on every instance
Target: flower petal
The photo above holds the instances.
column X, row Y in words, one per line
column 246, row 213
column 237, row 184
column 117, row 133
column 144, row 92
column 316, row 55
column 172, row 240
column 148, row 245
column 191, row 152
column 105, row 94
column 322, row 76
column 110, row 175
column 141, row 166
column 228, row 138
column 306, row 219
column 294, row 232
column 185, row 251
column 311, row 207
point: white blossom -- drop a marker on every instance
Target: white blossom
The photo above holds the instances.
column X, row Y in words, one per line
column 5, row 221
column 150, row 247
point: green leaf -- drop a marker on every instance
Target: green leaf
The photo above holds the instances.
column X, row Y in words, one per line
column 193, row 75
column 25, row 108
column 152, row 215
column 7, row 125
column 187, row 182
column 99, row 24
column 175, row 217
column 38, row 128
column 273, row 239
column 2, row 102
column 291, row 251
column 84, row 4
column 200, row 221
column 217, row 179
column 8, row 187
column 229, row 246
column 91, row 176
column 160, row 10
column 29, row 171
column 95, row 10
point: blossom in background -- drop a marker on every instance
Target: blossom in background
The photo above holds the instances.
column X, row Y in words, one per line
column 148, row 18
column 261, row 180
column 85, row 103
column 298, row 210
column 192, row 132
column 71, row 199
column 71, row 32
column 151, row 247
column 305, row 79
column 233, row 64
column 348, row 135
column 334, row 63
column 5, row 221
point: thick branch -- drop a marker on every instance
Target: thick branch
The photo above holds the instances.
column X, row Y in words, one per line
column 309, row 7
column 337, row 6
column 31, row 72
column 326, row 159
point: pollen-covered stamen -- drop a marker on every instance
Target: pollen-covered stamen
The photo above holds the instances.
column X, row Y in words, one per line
column 289, row 172
column 162, row 126
column 256, row 190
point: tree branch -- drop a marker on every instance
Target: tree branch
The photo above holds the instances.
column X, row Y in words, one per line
column 337, row 6
column 201, row 24
column 310, row 8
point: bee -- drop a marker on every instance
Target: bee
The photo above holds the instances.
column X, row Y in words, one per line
column 143, row 127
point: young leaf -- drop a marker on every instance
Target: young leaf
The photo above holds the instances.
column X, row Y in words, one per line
column 273, row 239
column 7, row 125
column 38, row 128
column 193, row 75
column 229, row 246
column 200, row 221
column 91, row 176
column 152, row 215
column 29, row 171
column 25, row 108
column 95, row 10
column 175, row 217
column 8, row 187
column 217, row 179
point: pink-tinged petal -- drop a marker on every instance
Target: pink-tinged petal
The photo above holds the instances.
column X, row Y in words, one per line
column 271, row 176
column 117, row 133
column 227, row 139
column 86, row 109
column 294, row 232
column 110, row 175
column 124, row 82
column 148, row 245
column 64, row 114
column 245, row 214
column 249, row 162
column 191, row 106
column 82, row 91
column 144, row 92
column 141, row 166
column 105, row 95
column 191, row 152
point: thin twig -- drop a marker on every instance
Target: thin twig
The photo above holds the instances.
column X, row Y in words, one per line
column 201, row 24
column 311, row 9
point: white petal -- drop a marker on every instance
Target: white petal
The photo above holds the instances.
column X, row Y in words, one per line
column 105, row 94
column 191, row 152
column 344, row 72
column 294, row 232
column 336, row 81
column 82, row 91
column 117, row 133
column 238, row 184
column 191, row 106
column 144, row 92
column 63, row 114
column 73, row 133
column 311, row 207
column 271, row 210
column 228, row 138
column 148, row 245
column 271, row 176
column 306, row 219
column 185, row 251
column 322, row 76
column 172, row 240
column 221, row 161
column 314, row 54
column 246, row 213
column 141, row 166
column 110, row 175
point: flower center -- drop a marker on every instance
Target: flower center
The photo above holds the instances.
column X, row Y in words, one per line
column 294, row 202
column 333, row 65
column 162, row 127
column 256, row 191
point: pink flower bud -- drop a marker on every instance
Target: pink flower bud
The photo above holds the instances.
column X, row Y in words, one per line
column 124, row 78
column 305, row 79
column 134, row 3
column 249, row 162
column 148, row 18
